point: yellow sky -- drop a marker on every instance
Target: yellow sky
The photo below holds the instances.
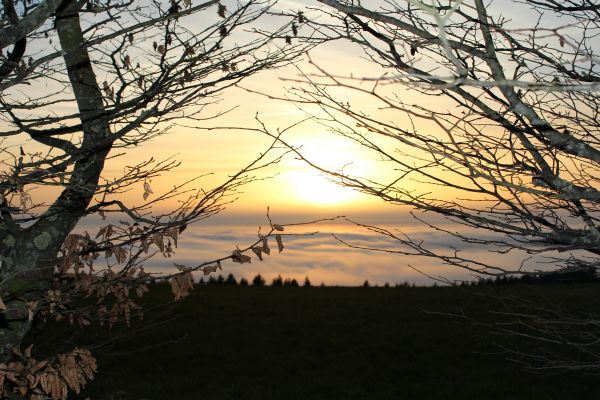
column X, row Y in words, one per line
column 294, row 192
column 294, row 185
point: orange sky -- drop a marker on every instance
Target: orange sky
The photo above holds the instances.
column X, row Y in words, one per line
column 294, row 189
column 295, row 193
column 294, row 185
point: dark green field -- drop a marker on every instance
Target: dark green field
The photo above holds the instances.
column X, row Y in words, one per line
column 239, row 343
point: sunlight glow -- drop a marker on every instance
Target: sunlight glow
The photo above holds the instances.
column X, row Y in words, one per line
column 310, row 186
column 313, row 188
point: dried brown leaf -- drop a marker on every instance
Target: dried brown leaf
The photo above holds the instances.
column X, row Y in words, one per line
column 127, row 61
column 181, row 267
column 301, row 17
column 120, row 254
column 221, row 10
column 173, row 234
column 209, row 269
column 414, row 48
column 238, row 257
column 27, row 352
column 182, row 228
column 25, row 199
column 258, row 252
column 265, row 246
column 147, row 190
column 101, row 232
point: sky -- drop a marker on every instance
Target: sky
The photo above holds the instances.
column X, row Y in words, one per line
column 293, row 191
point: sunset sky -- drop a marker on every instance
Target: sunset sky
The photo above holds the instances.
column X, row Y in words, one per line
column 295, row 192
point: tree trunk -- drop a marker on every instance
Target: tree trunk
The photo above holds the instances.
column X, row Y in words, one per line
column 25, row 275
column 28, row 255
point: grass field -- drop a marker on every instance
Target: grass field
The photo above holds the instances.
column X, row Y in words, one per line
column 240, row 343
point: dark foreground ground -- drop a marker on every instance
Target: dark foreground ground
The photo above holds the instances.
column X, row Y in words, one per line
column 326, row 343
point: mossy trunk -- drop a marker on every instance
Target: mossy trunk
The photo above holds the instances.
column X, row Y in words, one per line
column 28, row 255
column 26, row 274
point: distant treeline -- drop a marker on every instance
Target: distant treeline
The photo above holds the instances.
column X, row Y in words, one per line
column 580, row 275
column 259, row 280
column 572, row 275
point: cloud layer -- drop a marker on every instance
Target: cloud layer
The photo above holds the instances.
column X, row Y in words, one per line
column 324, row 259
column 312, row 250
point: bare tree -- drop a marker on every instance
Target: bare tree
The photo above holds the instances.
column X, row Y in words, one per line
column 82, row 82
column 467, row 101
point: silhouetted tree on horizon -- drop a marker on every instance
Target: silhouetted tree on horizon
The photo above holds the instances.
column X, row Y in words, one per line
column 258, row 280
column 277, row 281
column 290, row 282
column 230, row 280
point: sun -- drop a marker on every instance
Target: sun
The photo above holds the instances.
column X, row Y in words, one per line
column 311, row 187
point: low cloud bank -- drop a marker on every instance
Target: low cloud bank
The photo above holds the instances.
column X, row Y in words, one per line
column 316, row 253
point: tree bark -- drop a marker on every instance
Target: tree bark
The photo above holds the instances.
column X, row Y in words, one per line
column 28, row 255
